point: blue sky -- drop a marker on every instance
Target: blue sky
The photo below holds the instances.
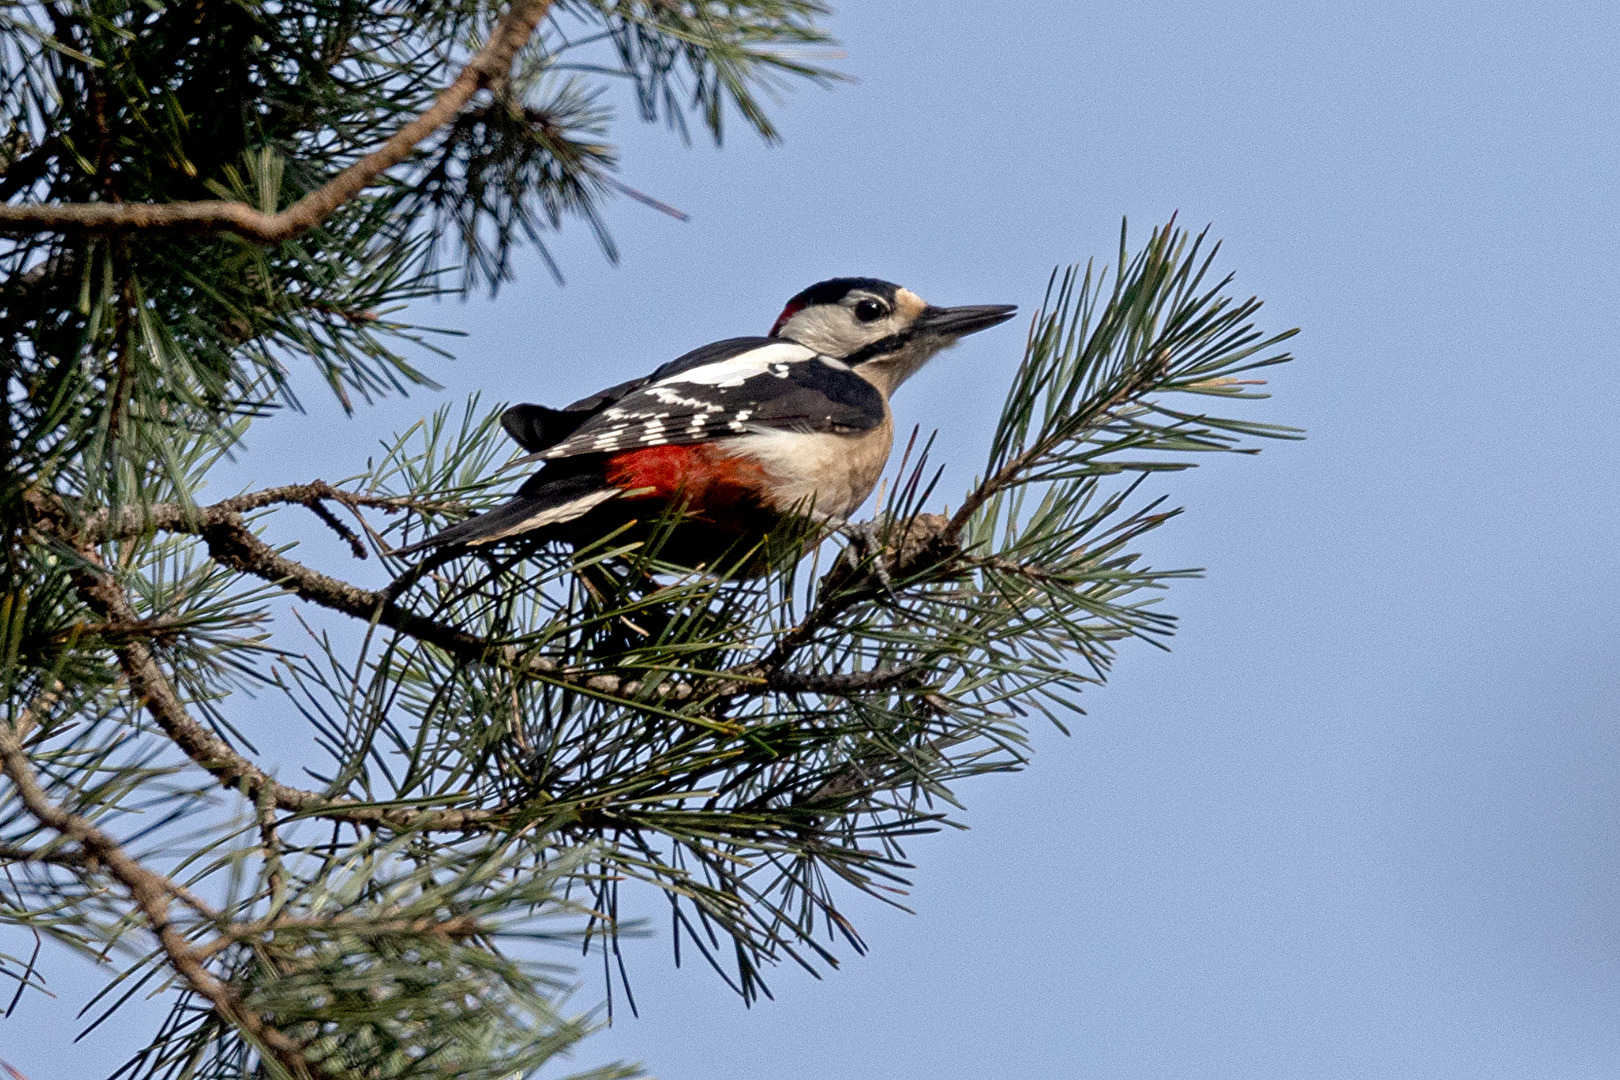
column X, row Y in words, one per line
column 1364, row 819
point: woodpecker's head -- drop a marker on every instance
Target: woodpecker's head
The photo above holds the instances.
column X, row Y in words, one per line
column 883, row 331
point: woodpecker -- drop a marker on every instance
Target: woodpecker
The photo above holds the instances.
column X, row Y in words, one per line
column 735, row 435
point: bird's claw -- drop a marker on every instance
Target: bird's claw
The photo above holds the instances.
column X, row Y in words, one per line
column 865, row 535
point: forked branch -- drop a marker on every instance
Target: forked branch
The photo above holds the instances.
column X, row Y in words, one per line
column 158, row 695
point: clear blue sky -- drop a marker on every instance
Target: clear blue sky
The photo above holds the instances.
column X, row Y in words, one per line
column 1364, row 820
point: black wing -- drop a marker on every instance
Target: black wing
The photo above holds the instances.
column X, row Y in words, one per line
column 536, row 427
column 742, row 385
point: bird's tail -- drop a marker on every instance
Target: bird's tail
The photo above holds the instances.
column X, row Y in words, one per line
column 534, row 507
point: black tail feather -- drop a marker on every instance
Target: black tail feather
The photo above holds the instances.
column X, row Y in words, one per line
column 535, row 427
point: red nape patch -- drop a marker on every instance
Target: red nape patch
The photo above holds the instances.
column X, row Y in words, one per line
column 702, row 475
column 794, row 306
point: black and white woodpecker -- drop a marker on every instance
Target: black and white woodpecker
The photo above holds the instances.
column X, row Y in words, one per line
column 735, row 435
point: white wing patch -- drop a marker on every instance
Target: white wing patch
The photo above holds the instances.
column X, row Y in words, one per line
column 772, row 358
column 675, row 399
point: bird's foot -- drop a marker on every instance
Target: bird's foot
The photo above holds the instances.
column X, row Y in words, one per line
column 865, row 536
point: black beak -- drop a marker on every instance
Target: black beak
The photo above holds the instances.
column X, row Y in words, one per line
column 960, row 321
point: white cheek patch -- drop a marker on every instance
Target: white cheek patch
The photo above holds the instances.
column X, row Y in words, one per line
column 825, row 328
column 739, row 369
column 832, row 331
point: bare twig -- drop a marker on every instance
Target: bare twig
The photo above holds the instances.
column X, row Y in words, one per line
column 233, row 544
column 843, row 683
column 270, row 845
column 132, row 521
column 455, row 928
column 490, row 63
column 72, row 858
column 346, row 534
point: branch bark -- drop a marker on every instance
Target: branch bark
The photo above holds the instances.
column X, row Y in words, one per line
column 490, row 63
column 131, row 521
column 232, row 543
column 454, row 928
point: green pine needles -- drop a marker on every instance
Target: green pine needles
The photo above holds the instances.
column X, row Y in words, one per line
column 504, row 746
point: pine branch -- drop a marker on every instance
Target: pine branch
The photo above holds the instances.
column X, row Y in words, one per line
column 1146, row 379
column 751, row 747
column 158, row 695
column 152, row 894
column 489, row 64
column 454, row 928
column 103, row 525
column 233, row 544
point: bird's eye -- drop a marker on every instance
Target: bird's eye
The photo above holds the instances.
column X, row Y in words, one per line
column 870, row 310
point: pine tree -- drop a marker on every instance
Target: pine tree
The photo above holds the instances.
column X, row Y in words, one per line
column 197, row 198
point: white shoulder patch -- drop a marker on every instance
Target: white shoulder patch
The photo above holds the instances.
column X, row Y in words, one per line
column 738, row 369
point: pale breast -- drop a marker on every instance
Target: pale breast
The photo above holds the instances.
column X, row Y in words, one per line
column 832, row 474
